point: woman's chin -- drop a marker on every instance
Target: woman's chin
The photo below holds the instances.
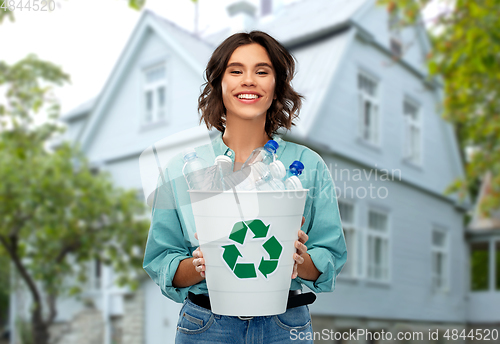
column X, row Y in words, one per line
column 250, row 117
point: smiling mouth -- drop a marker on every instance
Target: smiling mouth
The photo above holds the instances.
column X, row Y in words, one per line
column 252, row 97
column 248, row 100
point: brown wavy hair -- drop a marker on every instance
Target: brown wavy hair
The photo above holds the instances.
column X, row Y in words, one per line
column 283, row 110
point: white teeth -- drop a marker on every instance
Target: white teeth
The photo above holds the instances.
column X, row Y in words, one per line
column 248, row 96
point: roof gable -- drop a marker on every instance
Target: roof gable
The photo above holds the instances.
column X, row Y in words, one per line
column 191, row 49
column 480, row 222
column 317, row 67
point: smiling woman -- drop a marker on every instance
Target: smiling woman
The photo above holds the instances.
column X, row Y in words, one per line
column 247, row 98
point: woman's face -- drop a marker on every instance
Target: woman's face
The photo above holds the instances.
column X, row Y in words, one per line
column 249, row 73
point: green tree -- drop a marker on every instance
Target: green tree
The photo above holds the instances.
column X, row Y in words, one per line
column 466, row 56
column 55, row 215
column 52, row 207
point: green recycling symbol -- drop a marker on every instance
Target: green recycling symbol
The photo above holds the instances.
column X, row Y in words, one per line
column 272, row 247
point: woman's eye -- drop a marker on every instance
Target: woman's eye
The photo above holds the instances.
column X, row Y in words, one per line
column 237, row 71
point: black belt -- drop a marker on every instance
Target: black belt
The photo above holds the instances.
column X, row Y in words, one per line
column 295, row 299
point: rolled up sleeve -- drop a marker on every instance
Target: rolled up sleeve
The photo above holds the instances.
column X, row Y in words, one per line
column 326, row 244
column 165, row 247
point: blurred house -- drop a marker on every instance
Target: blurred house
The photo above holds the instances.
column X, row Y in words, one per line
column 373, row 115
column 483, row 236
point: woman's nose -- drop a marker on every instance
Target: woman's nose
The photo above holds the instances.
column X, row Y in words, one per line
column 248, row 80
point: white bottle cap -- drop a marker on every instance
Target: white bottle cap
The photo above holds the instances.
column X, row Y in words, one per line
column 277, row 169
column 223, row 158
column 293, row 183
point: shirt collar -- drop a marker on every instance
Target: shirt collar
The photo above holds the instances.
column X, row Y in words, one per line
column 220, row 147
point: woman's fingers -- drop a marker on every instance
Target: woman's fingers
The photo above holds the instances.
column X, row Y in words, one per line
column 298, row 258
column 199, row 262
column 303, row 220
column 197, row 253
column 301, row 248
column 294, row 273
column 303, row 237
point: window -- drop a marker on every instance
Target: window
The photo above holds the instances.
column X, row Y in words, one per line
column 368, row 108
column 347, row 216
column 412, row 132
column 155, row 93
column 378, row 246
column 95, row 274
column 395, row 40
column 479, row 266
column 439, row 260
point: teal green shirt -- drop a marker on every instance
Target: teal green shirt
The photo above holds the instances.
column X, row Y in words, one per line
column 171, row 239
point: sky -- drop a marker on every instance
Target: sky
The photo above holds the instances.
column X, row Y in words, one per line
column 86, row 37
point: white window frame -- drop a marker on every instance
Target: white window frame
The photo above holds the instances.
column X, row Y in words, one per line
column 353, row 243
column 412, row 147
column 384, row 236
column 371, row 133
column 154, row 87
column 443, row 284
column 93, row 280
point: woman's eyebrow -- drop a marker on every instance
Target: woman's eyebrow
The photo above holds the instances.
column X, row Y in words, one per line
column 260, row 64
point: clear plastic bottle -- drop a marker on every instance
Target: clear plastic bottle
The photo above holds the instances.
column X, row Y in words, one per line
column 258, row 176
column 266, row 154
column 195, row 170
column 224, row 168
column 264, row 178
column 240, row 180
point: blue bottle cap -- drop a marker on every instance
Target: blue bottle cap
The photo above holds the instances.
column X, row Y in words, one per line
column 298, row 166
column 272, row 145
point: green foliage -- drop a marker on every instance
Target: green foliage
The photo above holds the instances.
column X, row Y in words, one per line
column 55, row 215
column 466, row 55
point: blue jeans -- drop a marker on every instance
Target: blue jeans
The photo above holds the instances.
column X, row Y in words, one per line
column 199, row 325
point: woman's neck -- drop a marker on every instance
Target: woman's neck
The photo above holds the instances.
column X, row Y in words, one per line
column 244, row 137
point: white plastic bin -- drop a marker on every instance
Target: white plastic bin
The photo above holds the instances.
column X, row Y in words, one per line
column 249, row 263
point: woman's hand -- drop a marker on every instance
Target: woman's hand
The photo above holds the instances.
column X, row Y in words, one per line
column 298, row 256
column 199, row 261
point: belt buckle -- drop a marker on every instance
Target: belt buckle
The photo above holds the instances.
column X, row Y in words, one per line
column 244, row 318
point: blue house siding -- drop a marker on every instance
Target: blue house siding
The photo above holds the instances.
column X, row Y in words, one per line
column 409, row 294
column 338, row 120
column 161, row 317
column 121, row 132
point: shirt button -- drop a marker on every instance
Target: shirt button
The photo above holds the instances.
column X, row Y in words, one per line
column 229, row 153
